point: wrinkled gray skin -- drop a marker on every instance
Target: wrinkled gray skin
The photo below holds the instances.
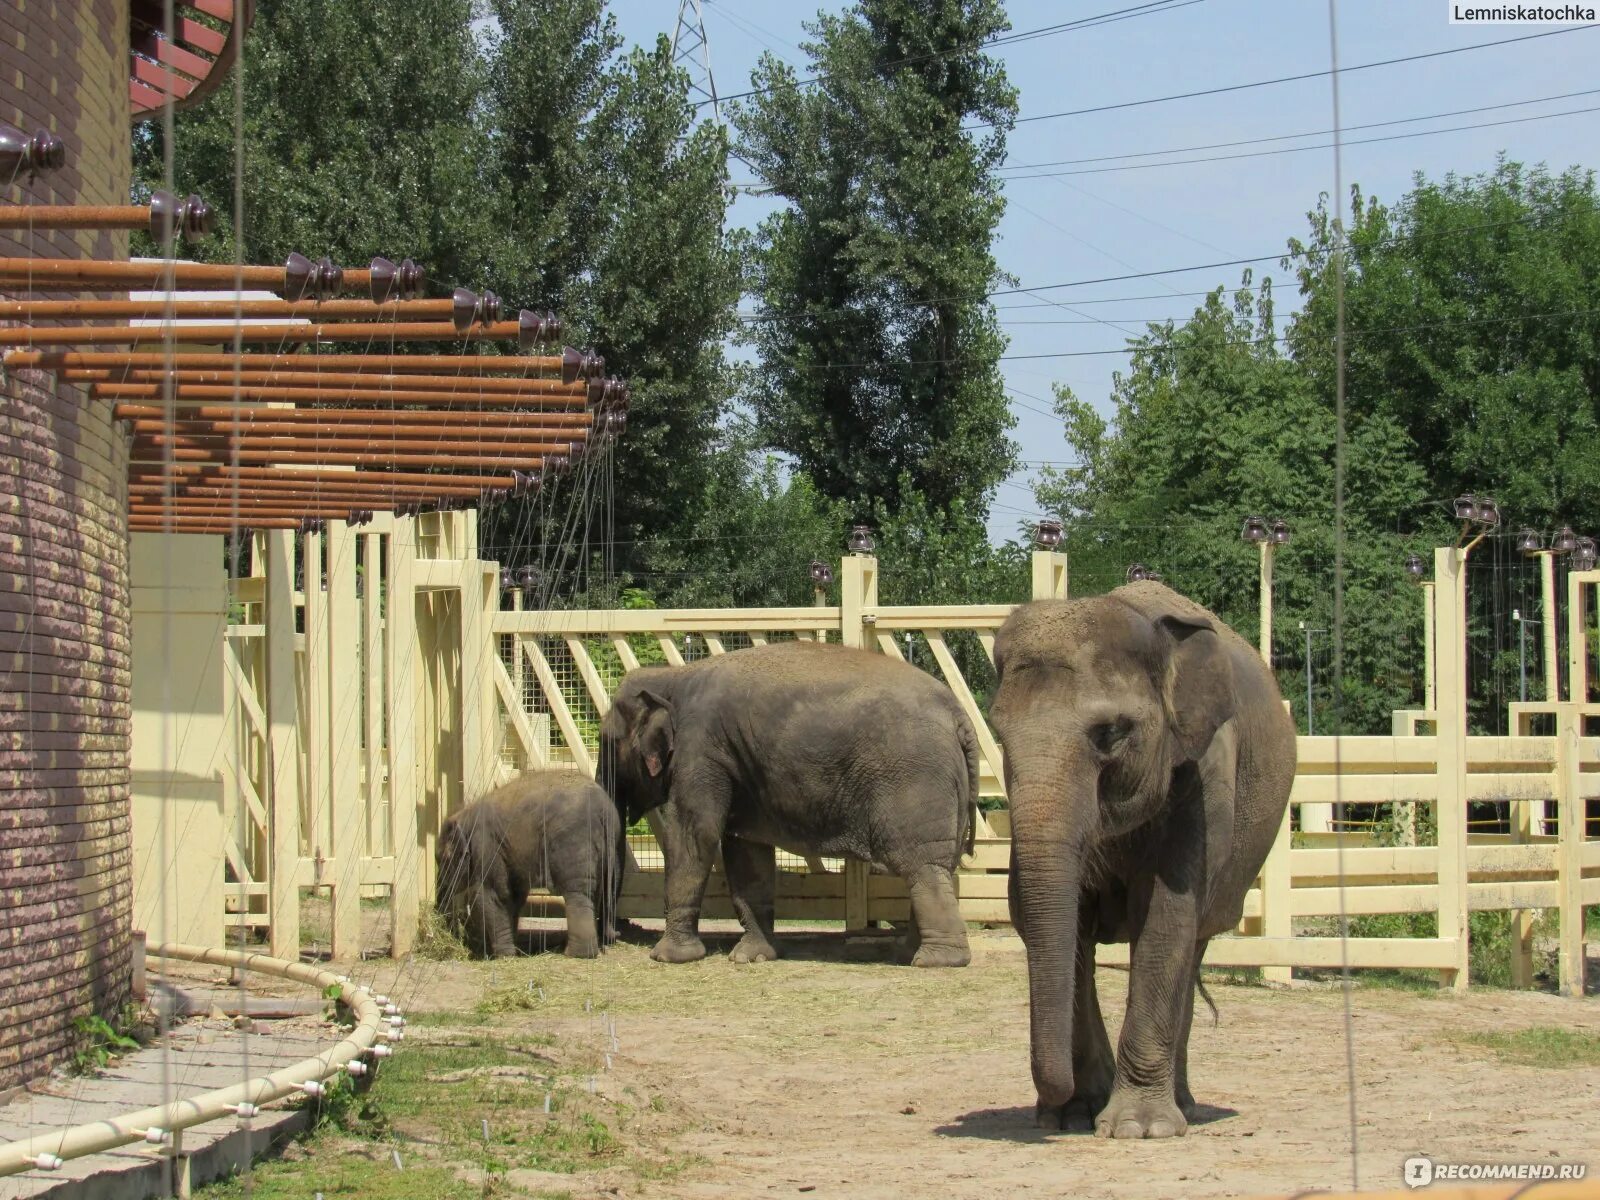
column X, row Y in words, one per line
column 820, row 749
column 546, row 829
column 1148, row 761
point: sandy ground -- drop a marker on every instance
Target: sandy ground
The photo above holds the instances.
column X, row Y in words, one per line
column 835, row 1073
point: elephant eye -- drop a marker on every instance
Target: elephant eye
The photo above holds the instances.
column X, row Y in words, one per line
column 1108, row 736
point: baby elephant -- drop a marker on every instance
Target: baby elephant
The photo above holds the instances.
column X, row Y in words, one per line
column 550, row 829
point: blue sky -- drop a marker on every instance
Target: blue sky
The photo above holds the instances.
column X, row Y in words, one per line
column 1094, row 225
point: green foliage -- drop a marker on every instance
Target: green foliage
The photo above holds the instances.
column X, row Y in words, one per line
column 98, row 1042
column 1212, row 423
column 1472, row 368
column 1471, row 306
column 878, row 347
column 536, row 160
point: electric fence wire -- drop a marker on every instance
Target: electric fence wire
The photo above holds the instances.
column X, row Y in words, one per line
column 1339, row 468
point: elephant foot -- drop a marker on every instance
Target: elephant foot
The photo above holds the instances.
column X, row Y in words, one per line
column 1185, row 1098
column 754, row 948
column 674, row 949
column 930, row 954
column 1075, row 1116
column 582, row 948
column 1134, row 1114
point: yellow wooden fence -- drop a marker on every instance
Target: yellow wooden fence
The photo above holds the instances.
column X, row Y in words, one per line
column 362, row 717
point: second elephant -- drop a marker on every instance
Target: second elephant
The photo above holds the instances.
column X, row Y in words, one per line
column 820, row 749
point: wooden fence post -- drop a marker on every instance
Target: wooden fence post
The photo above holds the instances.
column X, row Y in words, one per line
column 314, row 721
column 1276, row 913
column 1450, row 739
column 858, row 597
column 1569, row 848
column 341, row 637
column 374, row 672
column 400, row 604
column 480, row 743
column 283, row 748
column 1049, row 575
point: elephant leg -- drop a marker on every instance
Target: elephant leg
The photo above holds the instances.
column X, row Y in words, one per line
column 689, row 844
column 936, row 916
column 753, row 884
column 1094, row 1067
column 581, row 939
column 495, row 924
column 1180, row 1069
column 1143, row 1099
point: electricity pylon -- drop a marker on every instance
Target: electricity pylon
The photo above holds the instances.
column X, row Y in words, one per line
column 692, row 51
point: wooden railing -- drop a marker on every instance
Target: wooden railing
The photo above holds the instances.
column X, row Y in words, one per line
column 467, row 689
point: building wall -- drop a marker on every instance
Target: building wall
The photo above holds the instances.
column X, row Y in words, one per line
column 180, row 605
column 65, row 853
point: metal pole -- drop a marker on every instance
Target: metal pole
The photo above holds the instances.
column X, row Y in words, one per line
column 1266, row 602
column 1522, row 652
column 1310, row 726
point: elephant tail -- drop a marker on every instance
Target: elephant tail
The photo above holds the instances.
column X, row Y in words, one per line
column 1199, row 986
column 969, row 747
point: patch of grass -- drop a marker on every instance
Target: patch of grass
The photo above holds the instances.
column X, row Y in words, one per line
column 437, row 941
column 1542, row 1046
column 527, row 996
column 465, row 1109
column 352, row 1172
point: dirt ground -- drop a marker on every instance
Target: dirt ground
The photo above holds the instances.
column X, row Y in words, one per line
column 836, row 1073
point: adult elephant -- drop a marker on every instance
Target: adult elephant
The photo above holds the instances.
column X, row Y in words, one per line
column 1148, row 761
column 820, row 749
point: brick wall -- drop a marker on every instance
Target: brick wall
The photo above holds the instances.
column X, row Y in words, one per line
column 65, row 849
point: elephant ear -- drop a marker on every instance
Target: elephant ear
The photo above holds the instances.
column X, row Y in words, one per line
column 453, row 859
column 1198, row 686
column 654, row 733
column 1199, row 683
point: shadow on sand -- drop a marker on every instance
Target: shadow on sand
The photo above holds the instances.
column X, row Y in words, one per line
column 1016, row 1124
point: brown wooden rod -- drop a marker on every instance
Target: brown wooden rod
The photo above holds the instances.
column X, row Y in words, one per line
column 247, row 513
column 572, row 364
column 349, row 497
column 382, row 400
column 296, row 279
column 441, row 445
column 332, row 458
column 594, row 390
column 228, row 310
column 143, row 335
column 174, row 523
column 164, row 216
column 255, row 418
column 305, row 476
column 377, row 432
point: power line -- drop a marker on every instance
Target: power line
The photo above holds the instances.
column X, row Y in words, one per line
column 1266, row 341
column 1261, row 83
column 1393, row 137
column 1286, row 137
column 1026, row 35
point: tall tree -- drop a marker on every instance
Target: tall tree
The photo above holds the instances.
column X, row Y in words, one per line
column 527, row 155
column 1211, row 424
column 359, row 137
column 878, row 349
column 1472, row 313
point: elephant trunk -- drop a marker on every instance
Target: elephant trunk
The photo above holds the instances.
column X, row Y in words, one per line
column 1050, row 829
